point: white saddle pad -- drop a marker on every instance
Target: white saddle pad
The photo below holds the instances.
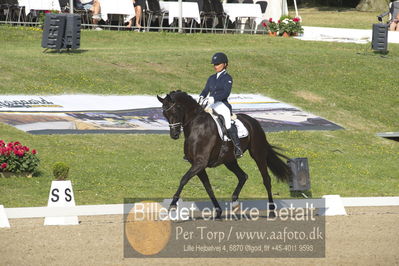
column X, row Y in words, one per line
column 242, row 130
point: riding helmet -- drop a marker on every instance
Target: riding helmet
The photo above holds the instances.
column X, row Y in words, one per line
column 219, row 58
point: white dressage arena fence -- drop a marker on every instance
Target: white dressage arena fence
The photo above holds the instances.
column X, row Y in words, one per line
column 120, row 209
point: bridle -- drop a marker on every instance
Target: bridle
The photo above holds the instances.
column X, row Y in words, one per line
column 175, row 125
column 179, row 124
column 170, row 107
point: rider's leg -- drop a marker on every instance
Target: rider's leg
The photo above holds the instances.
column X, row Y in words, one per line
column 223, row 110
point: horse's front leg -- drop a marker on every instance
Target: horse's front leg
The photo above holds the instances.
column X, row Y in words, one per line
column 205, row 181
column 194, row 170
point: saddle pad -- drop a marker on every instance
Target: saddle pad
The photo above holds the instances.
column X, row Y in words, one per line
column 242, row 130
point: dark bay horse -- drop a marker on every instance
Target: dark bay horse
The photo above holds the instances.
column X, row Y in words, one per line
column 203, row 147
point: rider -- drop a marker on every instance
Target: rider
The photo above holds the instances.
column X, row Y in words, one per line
column 216, row 92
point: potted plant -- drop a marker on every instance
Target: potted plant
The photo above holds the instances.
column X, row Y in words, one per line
column 17, row 160
column 60, row 171
column 289, row 26
column 271, row 27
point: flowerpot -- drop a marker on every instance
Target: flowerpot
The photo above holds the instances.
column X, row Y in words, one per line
column 286, row 35
column 273, row 34
column 10, row 174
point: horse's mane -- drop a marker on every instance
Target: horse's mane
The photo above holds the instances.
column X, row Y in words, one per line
column 183, row 99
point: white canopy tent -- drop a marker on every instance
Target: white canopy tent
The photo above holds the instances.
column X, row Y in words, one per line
column 275, row 9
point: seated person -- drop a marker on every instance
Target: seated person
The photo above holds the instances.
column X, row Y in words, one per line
column 139, row 5
column 394, row 25
column 92, row 6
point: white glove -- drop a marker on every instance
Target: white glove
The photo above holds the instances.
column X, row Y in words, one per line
column 211, row 100
column 201, row 100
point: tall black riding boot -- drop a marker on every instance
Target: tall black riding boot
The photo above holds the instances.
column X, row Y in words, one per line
column 236, row 141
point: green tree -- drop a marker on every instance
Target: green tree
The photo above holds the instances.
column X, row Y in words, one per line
column 373, row 5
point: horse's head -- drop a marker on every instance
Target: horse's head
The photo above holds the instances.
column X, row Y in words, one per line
column 173, row 112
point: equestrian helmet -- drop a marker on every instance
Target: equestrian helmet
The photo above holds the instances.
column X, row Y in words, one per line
column 219, row 58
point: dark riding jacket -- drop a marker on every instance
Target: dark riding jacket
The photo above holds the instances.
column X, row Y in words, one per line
column 219, row 88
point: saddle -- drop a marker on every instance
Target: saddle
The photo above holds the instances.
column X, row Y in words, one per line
column 219, row 120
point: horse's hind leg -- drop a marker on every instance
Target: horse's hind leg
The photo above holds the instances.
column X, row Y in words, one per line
column 203, row 176
column 260, row 160
column 242, row 178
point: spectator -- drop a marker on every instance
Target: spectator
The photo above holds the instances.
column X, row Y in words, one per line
column 139, row 5
column 394, row 25
column 92, row 6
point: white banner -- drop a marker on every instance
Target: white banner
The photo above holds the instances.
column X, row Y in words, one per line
column 87, row 102
column 82, row 114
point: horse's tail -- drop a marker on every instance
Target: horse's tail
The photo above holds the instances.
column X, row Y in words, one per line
column 278, row 167
column 264, row 152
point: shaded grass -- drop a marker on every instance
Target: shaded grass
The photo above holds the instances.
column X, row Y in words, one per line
column 337, row 17
column 345, row 83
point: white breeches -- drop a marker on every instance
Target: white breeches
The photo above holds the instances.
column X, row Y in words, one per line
column 223, row 110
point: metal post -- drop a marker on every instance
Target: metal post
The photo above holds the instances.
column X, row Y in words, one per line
column 296, row 9
column 71, row 6
column 180, row 16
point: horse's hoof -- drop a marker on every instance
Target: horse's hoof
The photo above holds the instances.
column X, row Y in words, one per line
column 272, row 214
column 235, row 206
column 172, row 208
column 218, row 214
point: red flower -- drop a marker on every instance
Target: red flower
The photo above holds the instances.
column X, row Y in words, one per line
column 34, row 151
column 17, row 143
column 10, row 145
column 3, row 165
column 25, row 148
column 19, row 152
column 279, row 21
column 264, row 24
column 2, row 143
column 270, row 19
column 296, row 19
column 5, row 151
column 47, row 11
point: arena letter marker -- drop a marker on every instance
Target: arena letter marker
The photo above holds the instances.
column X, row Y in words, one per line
column 3, row 218
column 61, row 195
column 334, row 206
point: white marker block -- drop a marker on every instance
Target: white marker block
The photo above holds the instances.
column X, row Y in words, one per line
column 61, row 195
column 3, row 218
column 334, row 206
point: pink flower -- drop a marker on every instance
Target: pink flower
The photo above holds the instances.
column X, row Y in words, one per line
column 34, row 151
column 3, row 165
column 17, row 143
column 2, row 143
column 270, row 19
